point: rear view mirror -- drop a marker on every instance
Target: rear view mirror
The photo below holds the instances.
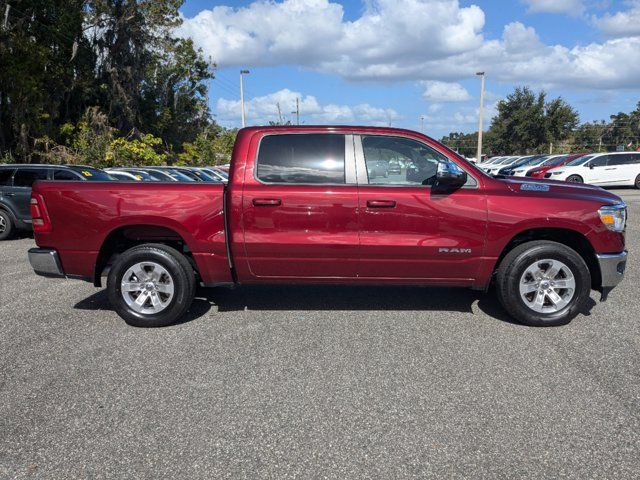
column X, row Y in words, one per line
column 450, row 175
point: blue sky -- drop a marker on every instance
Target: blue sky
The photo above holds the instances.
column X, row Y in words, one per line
column 393, row 61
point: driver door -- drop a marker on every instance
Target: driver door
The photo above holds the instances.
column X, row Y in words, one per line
column 411, row 231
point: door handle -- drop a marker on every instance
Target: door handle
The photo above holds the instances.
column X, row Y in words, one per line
column 381, row 203
column 267, row 202
column 612, row 168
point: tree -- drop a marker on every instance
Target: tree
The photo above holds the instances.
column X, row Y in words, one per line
column 527, row 123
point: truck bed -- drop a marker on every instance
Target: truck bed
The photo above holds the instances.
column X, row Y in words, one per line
column 87, row 215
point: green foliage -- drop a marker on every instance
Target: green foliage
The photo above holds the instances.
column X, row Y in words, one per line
column 527, row 123
column 143, row 151
column 118, row 59
column 213, row 147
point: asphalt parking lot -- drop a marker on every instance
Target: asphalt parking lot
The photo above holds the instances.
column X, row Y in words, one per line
column 315, row 382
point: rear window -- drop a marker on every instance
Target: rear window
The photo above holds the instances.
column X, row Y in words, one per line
column 5, row 176
column 302, row 158
column 26, row 177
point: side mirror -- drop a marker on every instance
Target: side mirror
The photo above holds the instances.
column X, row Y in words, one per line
column 450, row 175
column 590, row 166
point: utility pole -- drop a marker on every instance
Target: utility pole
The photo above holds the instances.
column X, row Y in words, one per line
column 242, row 72
column 551, row 148
column 479, row 156
column 280, row 122
column 297, row 111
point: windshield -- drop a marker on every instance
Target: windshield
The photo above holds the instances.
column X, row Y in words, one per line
column 142, row 175
column 555, row 161
column 506, row 160
column 532, row 162
column 92, row 174
column 579, row 160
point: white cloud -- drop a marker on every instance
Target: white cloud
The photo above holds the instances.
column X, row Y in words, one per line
column 395, row 40
column 261, row 110
column 443, row 92
column 621, row 24
column 314, row 32
column 572, row 7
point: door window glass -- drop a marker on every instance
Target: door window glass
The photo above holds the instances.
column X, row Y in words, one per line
column 302, row 158
column 64, row 175
column 400, row 161
column 26, row 177
column 601, row 161
column 5, row 176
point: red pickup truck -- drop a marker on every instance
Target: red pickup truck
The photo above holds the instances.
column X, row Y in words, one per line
column 314, row 205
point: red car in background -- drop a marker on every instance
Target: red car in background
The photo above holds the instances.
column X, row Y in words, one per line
column 539, row 172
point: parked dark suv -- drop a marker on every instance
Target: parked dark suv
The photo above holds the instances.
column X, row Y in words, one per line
column 15, row 190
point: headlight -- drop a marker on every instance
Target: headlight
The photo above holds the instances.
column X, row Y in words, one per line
column 614, row 217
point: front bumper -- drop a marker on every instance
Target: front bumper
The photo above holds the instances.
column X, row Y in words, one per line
column 45, row 262
column 612, row 266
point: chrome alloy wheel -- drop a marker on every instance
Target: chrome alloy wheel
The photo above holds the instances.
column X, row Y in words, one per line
column 3, row 224
column 547, row 286
column 147, row 287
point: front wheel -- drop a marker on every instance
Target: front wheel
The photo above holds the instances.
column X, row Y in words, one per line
column 543, row 283
column 575, row 179
column 151, row 285
column 637, row 182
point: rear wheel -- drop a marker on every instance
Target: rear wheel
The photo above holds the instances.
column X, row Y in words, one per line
column 6, row 225
column 151, row 285
column 637, row 182
column 543, row 283
column 575, row 179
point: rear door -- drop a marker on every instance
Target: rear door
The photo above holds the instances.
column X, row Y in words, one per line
column 300, row 207
column 411, row 230
column 6, row 190
column 628, row 165
column 23, row 179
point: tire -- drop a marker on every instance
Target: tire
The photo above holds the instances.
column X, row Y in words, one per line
column 542, row 257
column 575, row 179
column 7, row 227
column 637, row 182
column 167, row 280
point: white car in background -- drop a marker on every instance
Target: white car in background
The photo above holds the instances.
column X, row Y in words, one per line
column 504, row 162
column 602, row 169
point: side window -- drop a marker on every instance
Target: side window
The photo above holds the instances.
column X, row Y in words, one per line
column 635, row 158
column 5, row 176
column 400, row 161
column 64, row 175
column 302, row 158
column 601, row 161
column 26, row 177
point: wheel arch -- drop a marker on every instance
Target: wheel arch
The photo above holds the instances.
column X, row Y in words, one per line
column 125, row 237
column 566, row 236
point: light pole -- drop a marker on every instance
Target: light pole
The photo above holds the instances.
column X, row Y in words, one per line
column 242, row 72
column 479, row 156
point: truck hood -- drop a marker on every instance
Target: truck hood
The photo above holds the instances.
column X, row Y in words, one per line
column 554, row 188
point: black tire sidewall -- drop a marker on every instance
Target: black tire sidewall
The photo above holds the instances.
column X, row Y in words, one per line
column 8, row 233
column 510, row 291
column 183, row 286
column 637, row 182
column 580, row 179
